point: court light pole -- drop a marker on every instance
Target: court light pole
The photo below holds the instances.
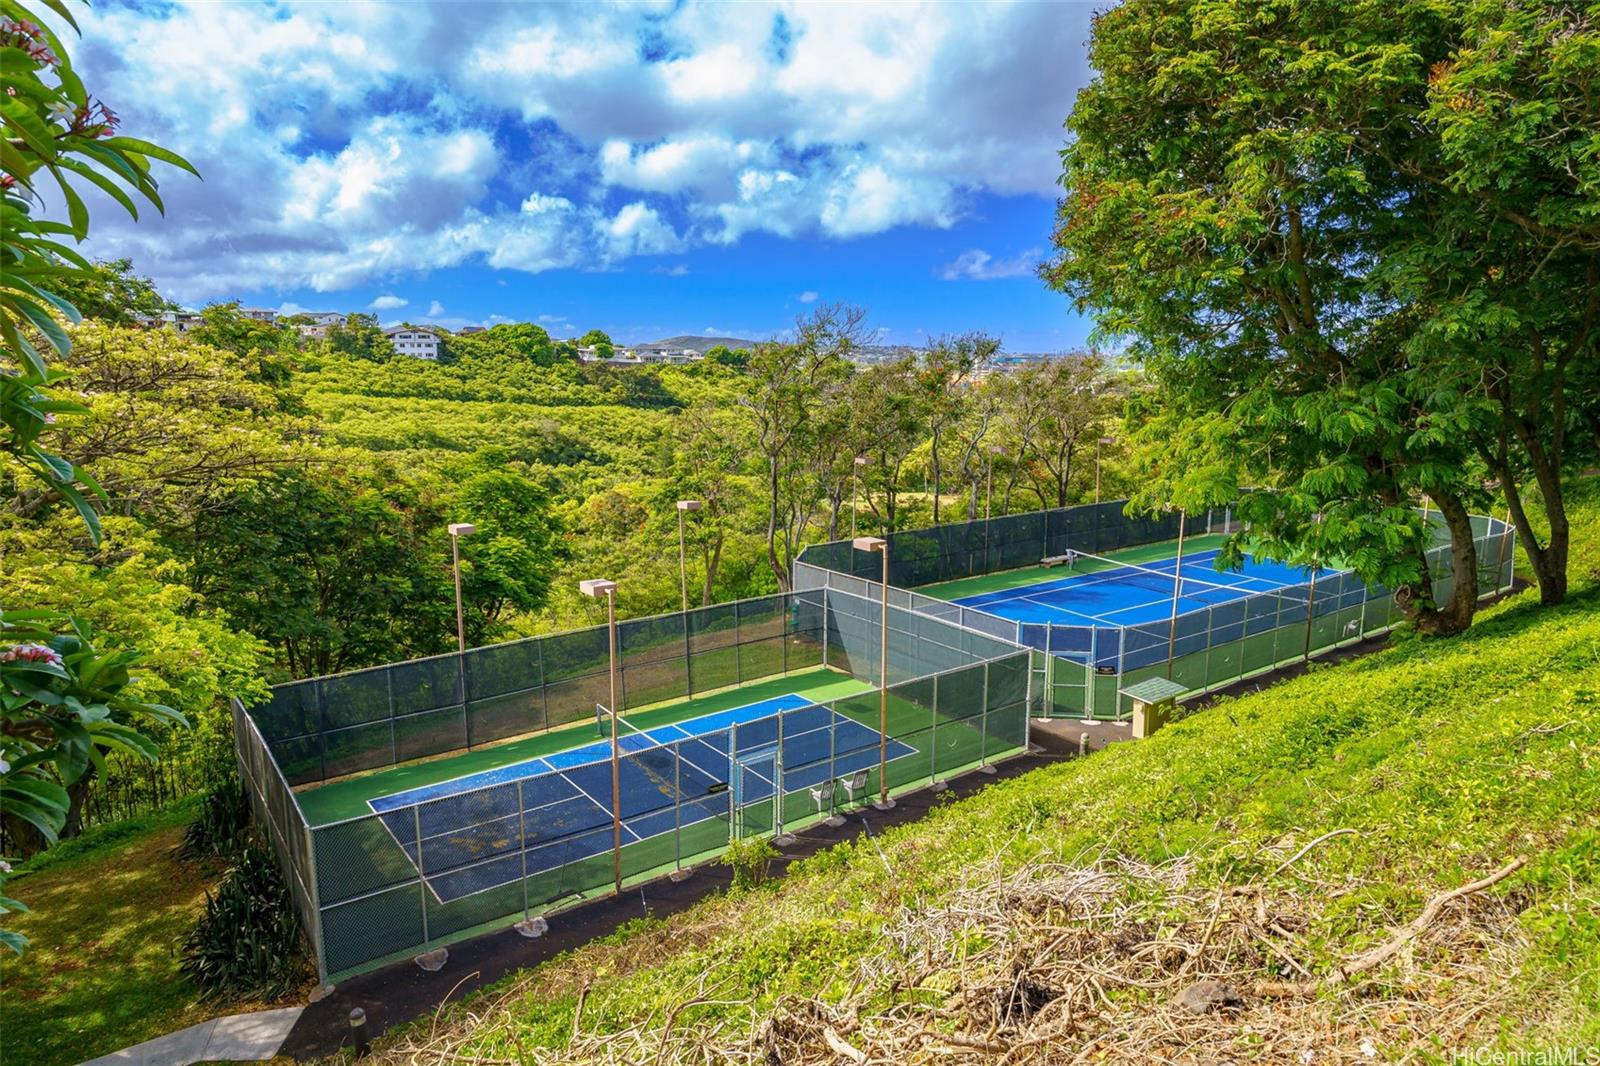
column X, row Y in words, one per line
column 855, row 473
column 881, row 546
column 601, row 587
column 1097, row 444
column 683, row 567
column 457, row 531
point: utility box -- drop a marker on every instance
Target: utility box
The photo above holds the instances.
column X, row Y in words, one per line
column 1153, row 702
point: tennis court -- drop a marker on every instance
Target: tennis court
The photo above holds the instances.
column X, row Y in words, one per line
column 1103, row 593
column 496, row 827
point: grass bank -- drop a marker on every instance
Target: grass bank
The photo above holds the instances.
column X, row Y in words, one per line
column 110, row 911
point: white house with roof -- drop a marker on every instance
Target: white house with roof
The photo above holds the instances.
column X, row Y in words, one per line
column 417, row 343
column 182, row 321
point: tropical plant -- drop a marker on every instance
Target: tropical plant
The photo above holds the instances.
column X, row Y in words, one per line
column 56, row 137
column 247, row 943
column 64, row 706
column 222, row 828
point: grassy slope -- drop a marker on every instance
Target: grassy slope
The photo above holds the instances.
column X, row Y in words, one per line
column 1446, row 758
column 110, row 911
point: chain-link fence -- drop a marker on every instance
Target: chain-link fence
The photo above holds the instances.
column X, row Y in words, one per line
column 329, row 727
column 983, row 546
column 1081, row 670
column 437, row 863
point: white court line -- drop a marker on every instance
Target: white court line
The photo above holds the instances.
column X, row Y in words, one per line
column 561, row 841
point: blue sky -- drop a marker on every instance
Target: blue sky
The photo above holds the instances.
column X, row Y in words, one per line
column 646, row 168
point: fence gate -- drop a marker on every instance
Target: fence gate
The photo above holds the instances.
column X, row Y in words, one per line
column 755, row 792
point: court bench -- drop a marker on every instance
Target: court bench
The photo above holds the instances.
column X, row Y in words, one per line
column 1056, row 560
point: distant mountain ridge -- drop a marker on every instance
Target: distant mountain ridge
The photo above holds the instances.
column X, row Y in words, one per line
column 699, row 344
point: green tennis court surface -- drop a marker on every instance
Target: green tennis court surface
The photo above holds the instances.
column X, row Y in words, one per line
column 349, row 797
column 1001, row 580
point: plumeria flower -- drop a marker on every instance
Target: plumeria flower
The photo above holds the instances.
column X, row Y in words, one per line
column 30, row 653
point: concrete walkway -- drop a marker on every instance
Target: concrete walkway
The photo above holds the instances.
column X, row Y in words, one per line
column 236, row 1038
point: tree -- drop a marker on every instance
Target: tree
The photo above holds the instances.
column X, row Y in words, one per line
column 359, row 336
column 888, row 405
column 1080, row 400
column 170, row 425
column 54, row 129
column 789, row 382
column 1510, row 266
column 325, row 570
column 733, row 358
column 944, row 377
column 111, row 292
column 514, row 341
column 510, row 559
column 708, row 456
column 1231, row 190
column 599, row 341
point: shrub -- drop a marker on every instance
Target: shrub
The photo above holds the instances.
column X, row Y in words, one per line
column 221, row 830
column 751, row 859
column 247, row 943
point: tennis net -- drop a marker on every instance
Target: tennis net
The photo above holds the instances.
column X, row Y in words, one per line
column 1171, row 582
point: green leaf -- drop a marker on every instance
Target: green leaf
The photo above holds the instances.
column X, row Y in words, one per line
column 154, row 151
column 47, row 325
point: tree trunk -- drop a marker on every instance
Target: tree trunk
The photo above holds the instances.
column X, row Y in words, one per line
column 77, row 796
column 1549, row 561
column 772, row 525
column 934, row 455
column 1455, row 615
column 713, row 562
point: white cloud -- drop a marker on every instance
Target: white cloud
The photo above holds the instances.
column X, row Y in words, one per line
column 807, row 297
column 868, row 118
column 975, row 264
column 435, row 309
column 387, row 303
column 677, row 270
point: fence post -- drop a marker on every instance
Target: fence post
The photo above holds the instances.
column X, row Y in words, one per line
column 688, row 659
column 422, row 878
column 315, row 894
column 825, row 619
column 466, row 699
column 983, row 726
column 522, row 842
column 1122, row 652
column 933, row 740
column 394, row 738
column 678, row 872
column 1311, row 611
column 779, row 837
column 544, row 690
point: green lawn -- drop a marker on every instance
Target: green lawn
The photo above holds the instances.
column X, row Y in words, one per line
column 348, row 798
column 110, row 911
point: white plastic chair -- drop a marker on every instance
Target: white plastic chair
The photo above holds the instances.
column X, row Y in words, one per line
column 823, row 794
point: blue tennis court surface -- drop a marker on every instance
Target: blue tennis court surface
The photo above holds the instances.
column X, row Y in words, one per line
column 1097, row 603
column 474, row 829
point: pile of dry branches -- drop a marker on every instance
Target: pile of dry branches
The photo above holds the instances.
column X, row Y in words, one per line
column 1113, row 962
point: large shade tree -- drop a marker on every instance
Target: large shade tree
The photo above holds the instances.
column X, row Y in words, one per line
column 1237, row 181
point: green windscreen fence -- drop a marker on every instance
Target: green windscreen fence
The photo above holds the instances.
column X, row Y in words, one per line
column 443, row 861
column 1079, row 671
